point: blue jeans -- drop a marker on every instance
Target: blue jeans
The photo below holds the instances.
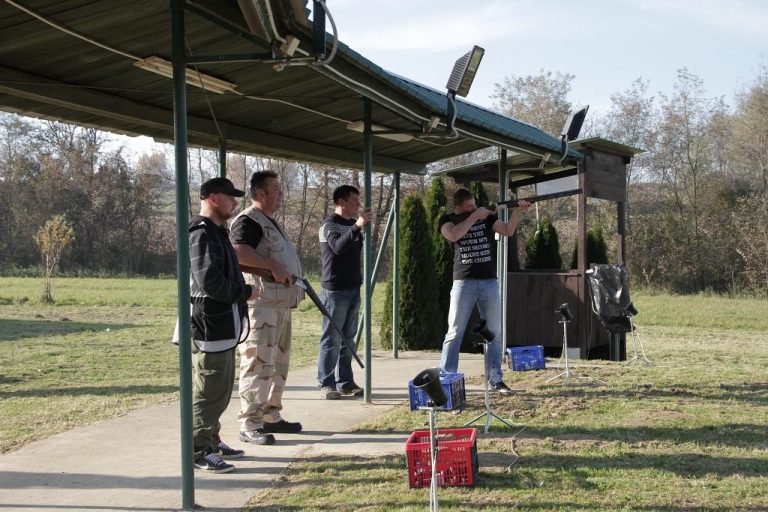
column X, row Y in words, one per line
column 465, row 294
column 343, row 305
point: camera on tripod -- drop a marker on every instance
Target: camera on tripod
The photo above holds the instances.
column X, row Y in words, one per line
column 565, row 313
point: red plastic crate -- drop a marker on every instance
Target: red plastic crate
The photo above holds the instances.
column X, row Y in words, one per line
column 456, row 457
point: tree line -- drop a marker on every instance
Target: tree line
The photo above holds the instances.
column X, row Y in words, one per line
column 697, row 211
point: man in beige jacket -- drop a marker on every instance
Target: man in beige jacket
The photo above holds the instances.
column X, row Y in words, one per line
column 268, row 260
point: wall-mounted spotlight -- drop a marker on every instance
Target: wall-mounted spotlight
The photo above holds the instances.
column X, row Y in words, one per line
column 462, row 76
column 464, row 71
column 571, row 129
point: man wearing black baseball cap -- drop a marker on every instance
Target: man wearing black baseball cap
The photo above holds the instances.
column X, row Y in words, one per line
column 220, row 186
column 218, row 294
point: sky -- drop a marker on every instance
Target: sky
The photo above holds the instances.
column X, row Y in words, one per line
column 605, row 44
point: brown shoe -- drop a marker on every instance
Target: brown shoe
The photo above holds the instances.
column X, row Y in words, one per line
column 330, row 394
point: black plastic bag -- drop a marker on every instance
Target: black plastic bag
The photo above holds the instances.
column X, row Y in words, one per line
column 609, row 287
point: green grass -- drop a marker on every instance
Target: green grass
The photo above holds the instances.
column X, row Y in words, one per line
column 689, row 433
column 102, row 349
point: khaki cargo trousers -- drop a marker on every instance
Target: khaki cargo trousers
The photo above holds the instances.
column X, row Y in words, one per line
column 264, row 359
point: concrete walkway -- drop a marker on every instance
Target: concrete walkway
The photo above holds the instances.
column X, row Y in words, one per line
column 131, row 463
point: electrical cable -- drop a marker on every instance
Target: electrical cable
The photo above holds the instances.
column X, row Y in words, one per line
column 335, row 45
column 205, row 95
column 69, row 31
column 382, row 98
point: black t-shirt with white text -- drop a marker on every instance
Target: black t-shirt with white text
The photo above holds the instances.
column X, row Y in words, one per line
column 474, row 256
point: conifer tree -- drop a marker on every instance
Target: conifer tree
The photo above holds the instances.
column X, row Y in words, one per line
column 597, row 250
column 479, row 193
column 436, row 203
column 435, row 199
column 443, row 255
column 418, row 311
column 542, row 251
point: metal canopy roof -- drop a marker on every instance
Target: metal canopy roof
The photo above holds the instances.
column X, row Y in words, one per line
column 527, row 169
column 73, row 60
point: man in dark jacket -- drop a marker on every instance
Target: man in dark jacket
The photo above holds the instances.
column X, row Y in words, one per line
column 219, row 294
column 341, row 242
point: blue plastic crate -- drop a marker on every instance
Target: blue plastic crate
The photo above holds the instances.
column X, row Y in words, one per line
column 526, row 358
column 453, row 385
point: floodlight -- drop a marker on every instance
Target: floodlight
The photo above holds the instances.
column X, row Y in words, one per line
column 160, row 66
column 464, row 71
column 571, row 129
column 573, row 124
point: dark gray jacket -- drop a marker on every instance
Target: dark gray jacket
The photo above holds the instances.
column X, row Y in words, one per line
column 217, row 288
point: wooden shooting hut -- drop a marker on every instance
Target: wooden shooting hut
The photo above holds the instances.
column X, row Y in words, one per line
column 530, row 297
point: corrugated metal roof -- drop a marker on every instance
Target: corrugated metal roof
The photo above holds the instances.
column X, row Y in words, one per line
column 88, row 77
column 527, row 168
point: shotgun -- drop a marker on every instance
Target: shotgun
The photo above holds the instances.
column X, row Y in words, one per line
column 533, row 199
column 304, row 285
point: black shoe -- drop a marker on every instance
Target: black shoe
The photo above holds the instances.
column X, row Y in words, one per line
column 502, row 388
column 282, row 427
column 213, row 463
column 258, row 436
column 227, row 452
column 351, row 390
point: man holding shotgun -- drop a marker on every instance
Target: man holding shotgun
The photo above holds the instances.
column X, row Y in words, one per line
column 470, row 230
column 268, row 260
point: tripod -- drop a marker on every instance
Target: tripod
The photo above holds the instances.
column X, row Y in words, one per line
column 429, row 381
column 639, row 357
column 432, row 455
column 488, row 413
column 567, row 374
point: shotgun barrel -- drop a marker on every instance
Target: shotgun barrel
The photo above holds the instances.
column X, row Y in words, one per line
column 534, row 199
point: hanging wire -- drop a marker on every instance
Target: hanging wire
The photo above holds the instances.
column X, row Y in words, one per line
column 117, row 51
column 205, row 94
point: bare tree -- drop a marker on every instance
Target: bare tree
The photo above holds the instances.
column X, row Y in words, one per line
column 539, row 100
column 51, row 239
column 683, row 160
column 750, row 131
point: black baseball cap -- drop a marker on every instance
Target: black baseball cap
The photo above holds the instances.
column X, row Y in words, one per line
column 219, row 186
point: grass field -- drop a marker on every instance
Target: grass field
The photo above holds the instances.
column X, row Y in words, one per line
column 689, row 433
column 102, row 349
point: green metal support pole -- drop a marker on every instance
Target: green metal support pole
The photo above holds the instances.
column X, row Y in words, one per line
column 395, row 269
column 182, row 253
column 223, row 158
column 503, row 248
column 368, row 169
column 376, row 266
